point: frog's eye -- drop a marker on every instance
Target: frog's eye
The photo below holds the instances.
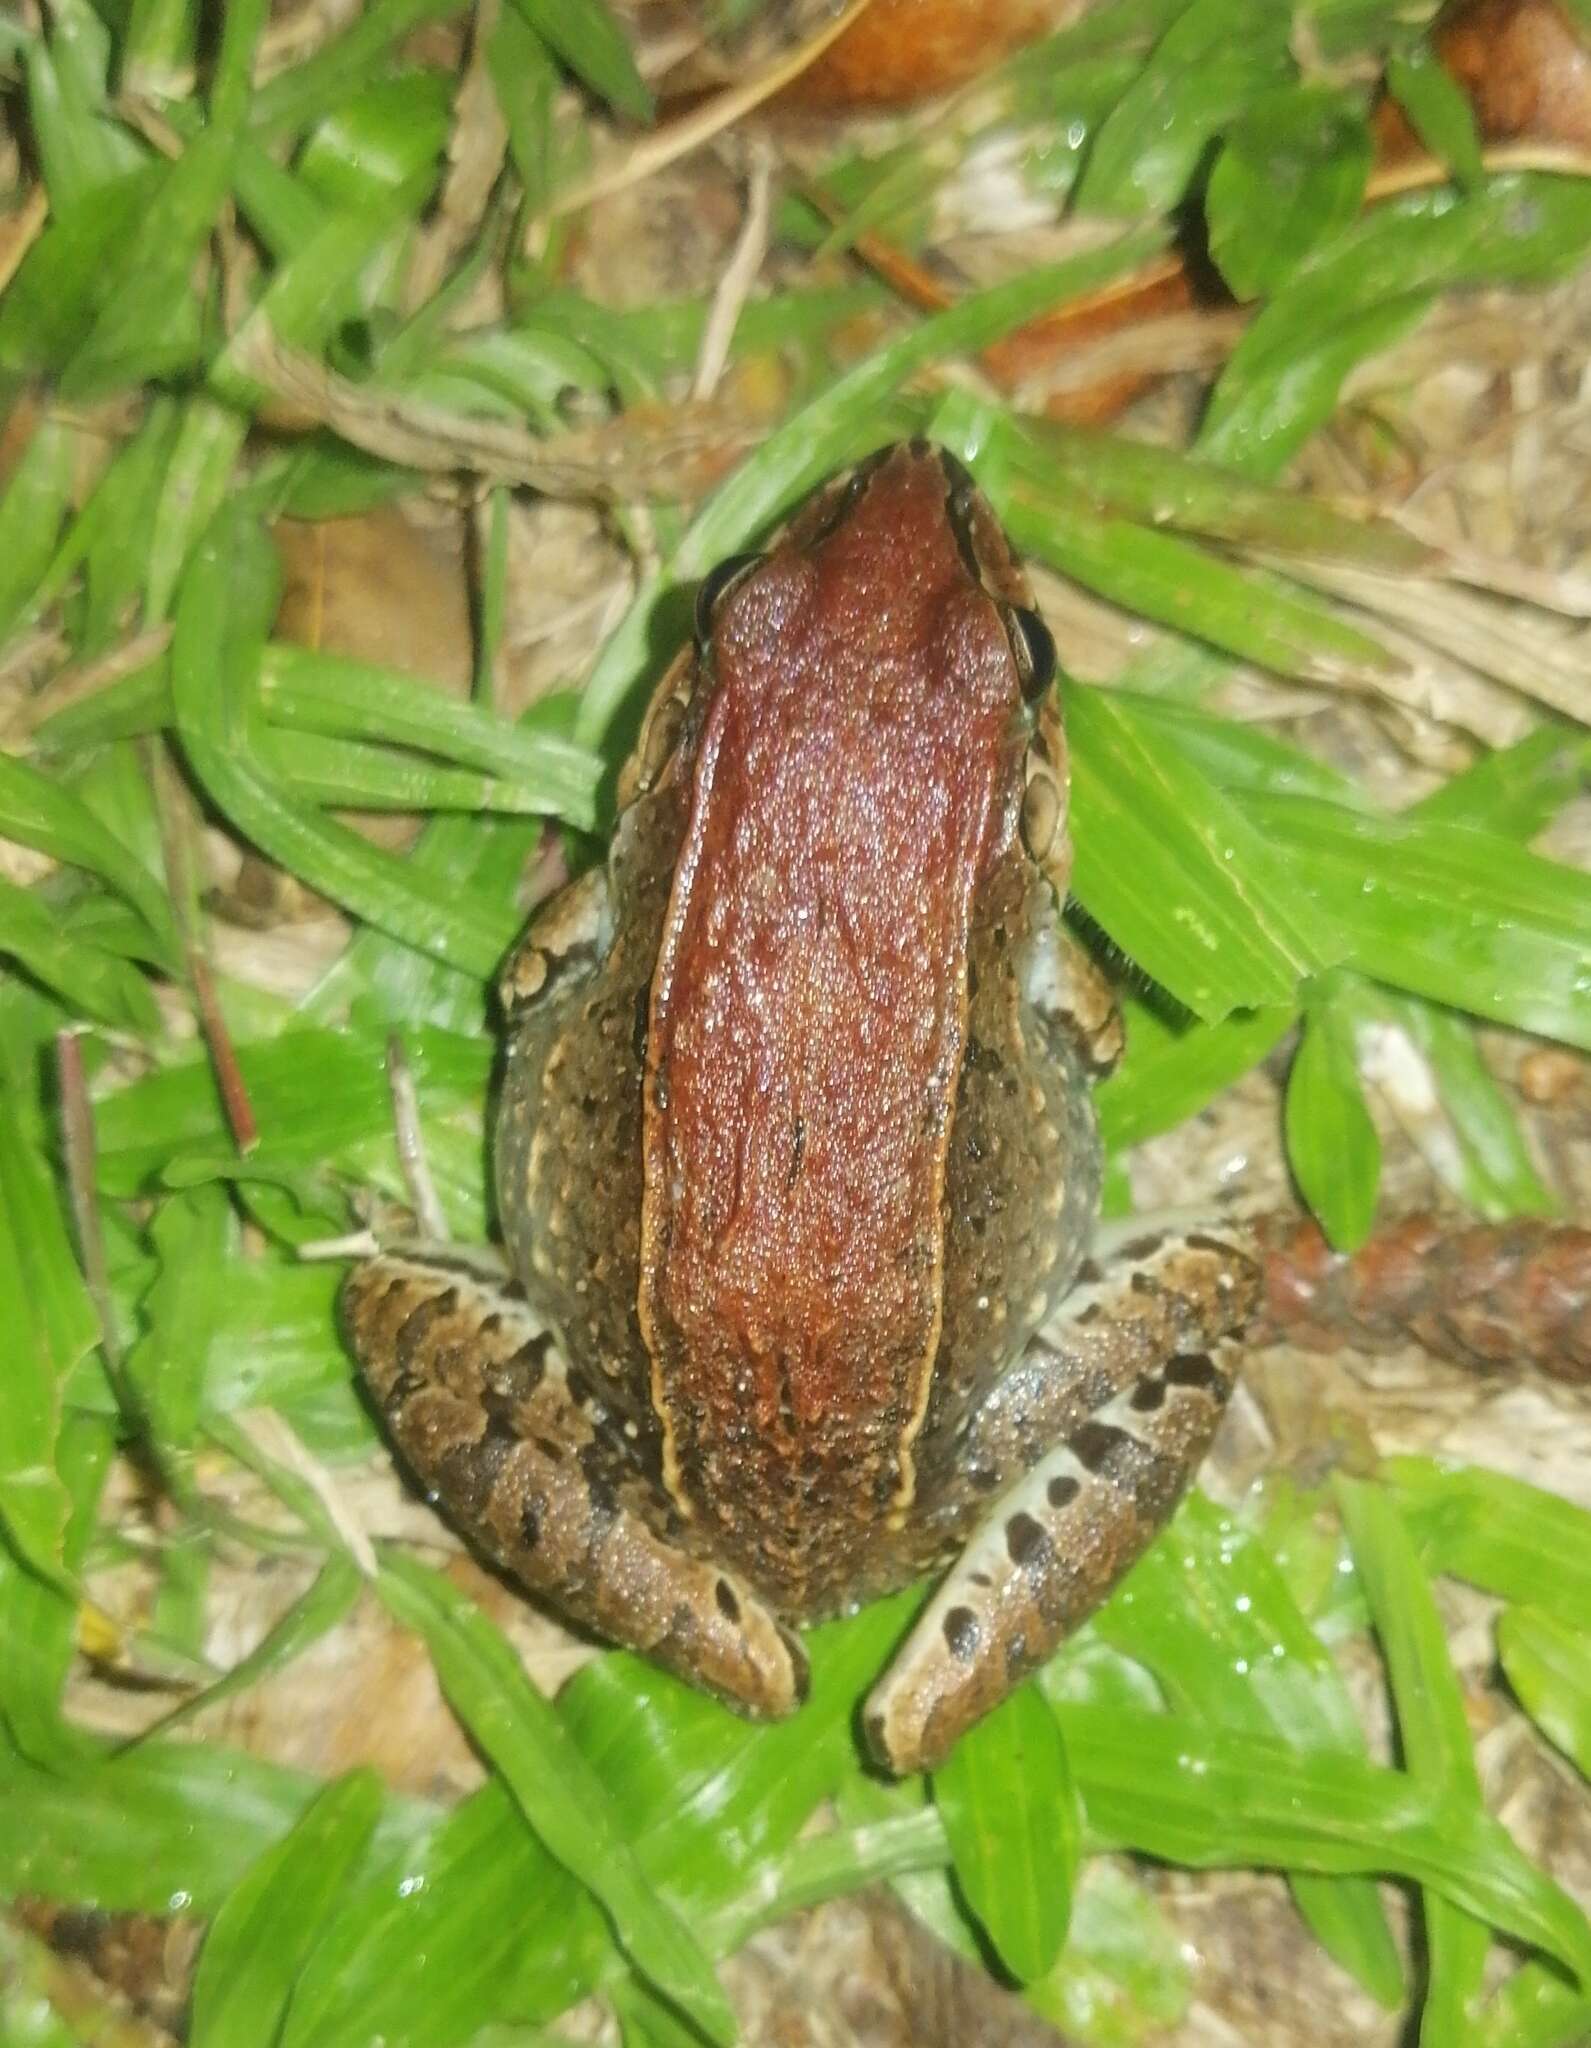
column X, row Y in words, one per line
column 715, row 586
column 1034, row 647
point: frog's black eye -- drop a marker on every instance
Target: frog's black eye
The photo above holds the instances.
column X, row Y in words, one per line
column 1034, row 647
column 715, row 586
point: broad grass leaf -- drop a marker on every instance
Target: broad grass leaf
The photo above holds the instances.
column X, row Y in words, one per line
column 1439, row 110
column 1370, row 286
column 1433, row 1735
column 1173, row 1069
column 588, row 38
column 1290, row 175
column 1332, row 1145
column 562, row 1798
column 1168, row 867
column 1208, row 1613
column 1215, row 57
column 1499, row 1533
column 258, row 1942
column 1205, row 1797
column 1005, row 1795
column 1548, row 1663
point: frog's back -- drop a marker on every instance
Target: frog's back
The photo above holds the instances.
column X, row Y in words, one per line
column 843, row 810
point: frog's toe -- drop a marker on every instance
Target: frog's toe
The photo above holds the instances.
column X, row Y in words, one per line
column 1047, row 1553
column 531, row 1466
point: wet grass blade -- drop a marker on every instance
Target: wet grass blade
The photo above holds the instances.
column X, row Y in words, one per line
column 1010, row 1814
column 1433, row 1734
column 331, row 694
column 561, row 1797
column 259, row 1940
column 1210, row 1615
column 52, row 1327
column 1498, row 1533
column 1460, row 917
column 1173, row 1069
column 590, row 41
column 1211, row 1798
column 1548, row 1663
column 225, row 608
column 1169, row 868
column 1332, row 1146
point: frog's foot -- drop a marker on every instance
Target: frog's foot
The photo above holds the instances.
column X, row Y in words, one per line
column 1148, row 1342
column 478, row 1400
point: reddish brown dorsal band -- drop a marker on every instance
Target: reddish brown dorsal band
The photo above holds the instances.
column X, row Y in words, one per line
column 808, row 1009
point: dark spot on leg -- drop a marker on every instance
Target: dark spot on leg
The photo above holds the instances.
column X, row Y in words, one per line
column 529, row 1525
column 1026, row 1541
column 983, row 1478
column 1063, row 1490
column 1090, row 1314
column 468, row 1471
column 1142, row 1284
column 728, row 1605
column 962, row 1634
column 1088, row 1274
column 1143, row 1247
column 1095, row 1443
column 979, row 1579
column 489, row 1325
column 551, row 1451
column 1149, row 1394
column 416, row 1325
column 599, row 1485
column 1194, row 1369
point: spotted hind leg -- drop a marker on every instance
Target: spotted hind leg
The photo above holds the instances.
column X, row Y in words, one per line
column 1083, row 1450
column 478, row 1400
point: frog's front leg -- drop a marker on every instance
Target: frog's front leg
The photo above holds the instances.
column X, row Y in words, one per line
column 546, row 1481
column 1082, row 1450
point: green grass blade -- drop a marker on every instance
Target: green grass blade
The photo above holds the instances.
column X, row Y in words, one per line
column 51, row 1327
column 1332, row 1146
column 1208, row 1798
column 1548, row 1662
column 1369, row 287
column 1499, row 1533
column 562, row 1798
column 258, row 1941
column 1433, row 1733
column 1172, row 1070
column 585, row 34
column 37, row 497
column 226, row 603
column 41, row 812
column 92, row 984
column 1167, row 866
column 1010, row 1813
column 1463, row 918
column 1291, row 176
column 1211, row 1616
column 38, row 1619
column 329, row 1599
column 332, row 694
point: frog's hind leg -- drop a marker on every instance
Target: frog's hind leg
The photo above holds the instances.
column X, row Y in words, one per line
column 478, row 1400
column 1082, row 1452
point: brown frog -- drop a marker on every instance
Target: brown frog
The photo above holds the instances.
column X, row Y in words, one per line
column 798, row 1164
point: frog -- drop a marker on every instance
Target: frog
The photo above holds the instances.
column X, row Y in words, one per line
column 798, row 1165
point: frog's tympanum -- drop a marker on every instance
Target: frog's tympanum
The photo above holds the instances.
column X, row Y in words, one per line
column 798, row 1165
